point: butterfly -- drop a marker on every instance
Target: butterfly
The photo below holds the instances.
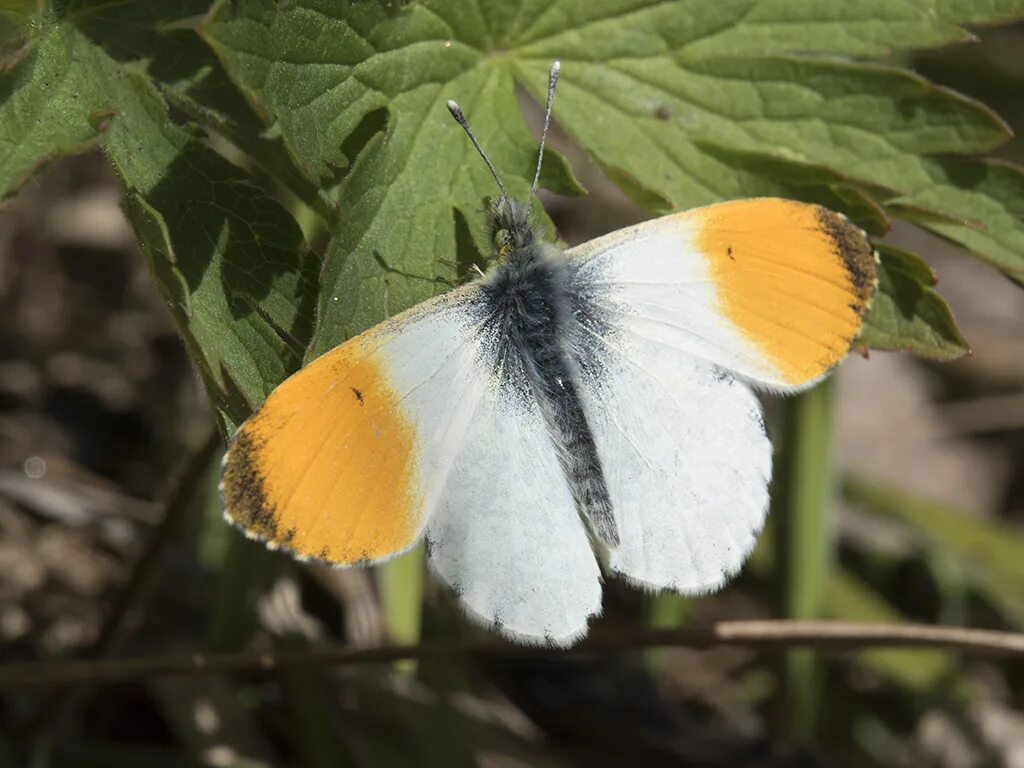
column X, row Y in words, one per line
column 565, row 416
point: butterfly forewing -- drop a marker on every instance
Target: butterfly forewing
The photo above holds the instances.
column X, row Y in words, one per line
column 773, row 290
column 346, row 459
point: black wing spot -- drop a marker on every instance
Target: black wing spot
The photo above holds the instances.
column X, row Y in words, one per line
column 358, row 395
column 853, row 247
column 244, row 497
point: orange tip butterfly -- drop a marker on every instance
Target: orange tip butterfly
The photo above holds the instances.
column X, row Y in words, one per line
column 566, row 416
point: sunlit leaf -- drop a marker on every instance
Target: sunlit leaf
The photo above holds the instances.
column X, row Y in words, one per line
column 682, row 103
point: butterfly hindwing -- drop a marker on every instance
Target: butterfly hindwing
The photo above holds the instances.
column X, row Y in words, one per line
column 685, row 458
column 506, row 536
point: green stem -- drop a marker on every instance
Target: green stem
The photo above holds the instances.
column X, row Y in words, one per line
column 400, row 582
column 665, row 611
column 804, row 487
column 248, row 571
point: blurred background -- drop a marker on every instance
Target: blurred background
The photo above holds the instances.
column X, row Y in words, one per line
column 112, row 544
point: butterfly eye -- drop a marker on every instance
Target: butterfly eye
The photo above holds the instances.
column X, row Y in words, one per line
column 502, row 240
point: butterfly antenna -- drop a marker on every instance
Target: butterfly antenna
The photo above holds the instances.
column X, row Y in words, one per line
column 552, row 82
column 460, row 118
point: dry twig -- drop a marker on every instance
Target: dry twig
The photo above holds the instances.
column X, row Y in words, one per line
column 767, row 635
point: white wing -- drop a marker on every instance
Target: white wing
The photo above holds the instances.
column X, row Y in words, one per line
column 506, row 536
column 685, row 457
column 671, row 313
column 773, row 290
column 402, row 430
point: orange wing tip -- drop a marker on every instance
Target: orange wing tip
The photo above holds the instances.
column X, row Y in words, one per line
column 327, row 469
column 243, row 523
column 245, row 506
column 794, row 279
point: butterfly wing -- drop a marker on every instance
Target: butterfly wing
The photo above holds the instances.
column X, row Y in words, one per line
column 507, row 538
column 672, row 315
column 346, row 459
column 411, row 427
column 774, row 290
column 685, row 459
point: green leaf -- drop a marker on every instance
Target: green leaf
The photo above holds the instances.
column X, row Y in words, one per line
column 229, row 261
column 754, row 174
column 16, row 29
column 986, row 195
column 907, row 315
column 857, row 29
column 44, row 114
column 403, row 188
column 907, row 262
column 978, row 11
column 192, row 80
column 868, row 122
column 237, row 276
column 681, row 103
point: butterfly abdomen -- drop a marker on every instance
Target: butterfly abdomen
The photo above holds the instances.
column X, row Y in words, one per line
column 526, row 299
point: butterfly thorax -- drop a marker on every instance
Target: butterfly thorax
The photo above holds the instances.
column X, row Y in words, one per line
column 526, row 293
column 529, row 324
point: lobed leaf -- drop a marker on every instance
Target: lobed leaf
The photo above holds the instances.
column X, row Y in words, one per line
column 161, row 38
column 681, row 103
column 44, row 113
column 907, row 315
column 228, row 260
column 978, row 204
column 978, row 11
column 403, row 187
column 232, row 262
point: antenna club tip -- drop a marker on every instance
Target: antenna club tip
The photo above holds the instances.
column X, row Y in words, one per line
column 454, row 108
column 556, row 67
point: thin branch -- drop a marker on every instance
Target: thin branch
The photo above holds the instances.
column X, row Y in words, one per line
column 765, row 635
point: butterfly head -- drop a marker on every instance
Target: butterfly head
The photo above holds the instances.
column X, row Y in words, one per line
column 510, row 220
column 510, row 226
